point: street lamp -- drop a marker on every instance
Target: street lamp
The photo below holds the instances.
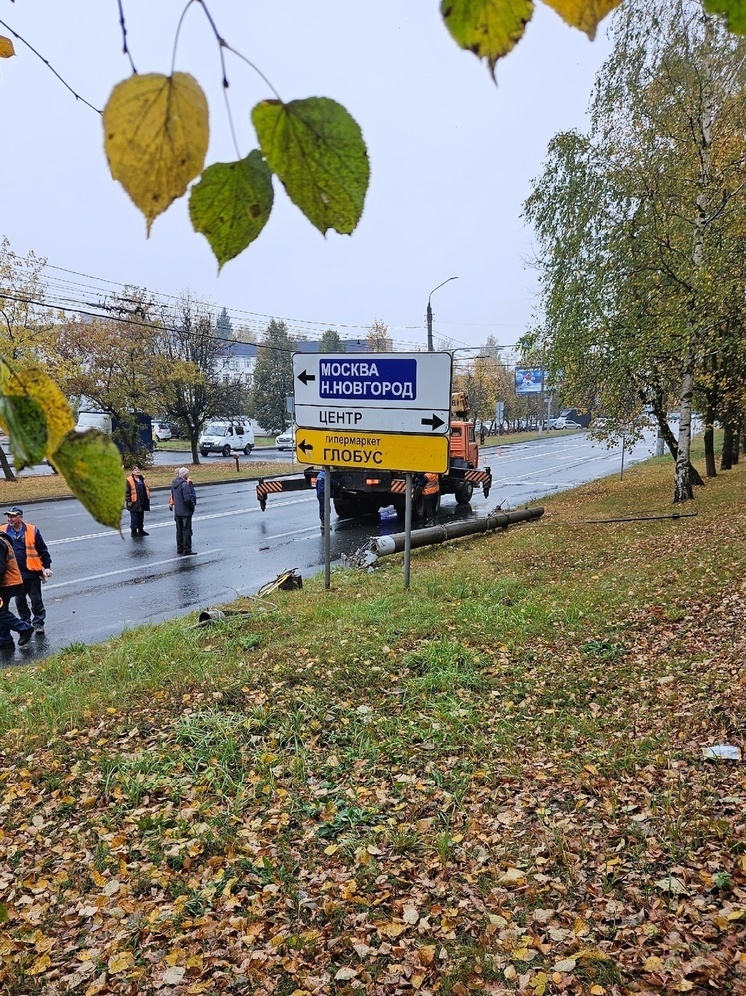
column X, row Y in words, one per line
column 430, row 315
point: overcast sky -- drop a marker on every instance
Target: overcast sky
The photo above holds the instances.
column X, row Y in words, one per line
column 452, row 156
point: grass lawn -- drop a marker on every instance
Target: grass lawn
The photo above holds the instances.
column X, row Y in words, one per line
column 490, row 783
column 209, row 470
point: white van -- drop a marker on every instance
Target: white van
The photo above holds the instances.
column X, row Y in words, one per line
column 93, row 420
column 227, row 437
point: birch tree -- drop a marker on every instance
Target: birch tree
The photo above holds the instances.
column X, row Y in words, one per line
column 641, row 221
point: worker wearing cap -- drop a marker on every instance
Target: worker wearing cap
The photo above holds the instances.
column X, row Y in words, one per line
column 34, row 563
column 11, row 583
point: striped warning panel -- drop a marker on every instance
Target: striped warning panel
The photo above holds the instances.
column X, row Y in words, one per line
column 399, row 487
column 268, row 487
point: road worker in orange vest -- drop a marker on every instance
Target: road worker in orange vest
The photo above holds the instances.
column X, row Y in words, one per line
column 34, row 563
column 137, row 500
column 11, row 583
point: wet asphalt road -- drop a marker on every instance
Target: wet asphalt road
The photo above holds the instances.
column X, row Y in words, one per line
column 104, row 583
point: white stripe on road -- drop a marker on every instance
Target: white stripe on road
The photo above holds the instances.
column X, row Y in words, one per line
column 125, row 570
column 170, row 525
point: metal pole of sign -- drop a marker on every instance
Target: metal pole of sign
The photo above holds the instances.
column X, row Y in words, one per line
column 407, row 531
column 327, row 518
column 621, row 472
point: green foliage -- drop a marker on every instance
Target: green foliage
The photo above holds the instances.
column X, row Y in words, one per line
column 640, row 225
column 24, row 421
column 317, row 150
column 231, row 204
column 734, row 12
column 331, row 342
column 92, row 466
column 273, row 378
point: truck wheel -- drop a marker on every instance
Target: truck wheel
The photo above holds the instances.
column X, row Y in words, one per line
column 419, row 509
column 205, row 452
column 247, row 449
column 345, row 508
column 464, row 491
column 226, row 451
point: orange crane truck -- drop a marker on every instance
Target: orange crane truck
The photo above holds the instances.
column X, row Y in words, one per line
column 362, row 492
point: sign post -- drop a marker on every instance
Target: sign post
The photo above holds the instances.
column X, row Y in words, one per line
column 374, row 411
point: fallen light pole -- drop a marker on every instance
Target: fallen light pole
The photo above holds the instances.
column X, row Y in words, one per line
column 382, row 546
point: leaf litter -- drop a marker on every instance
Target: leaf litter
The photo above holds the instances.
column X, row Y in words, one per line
column 443, row 811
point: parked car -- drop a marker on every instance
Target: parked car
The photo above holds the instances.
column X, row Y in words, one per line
column 566, row 423
column 286, row 439
column 175, row 429
column 161, row 431
column 226, row 437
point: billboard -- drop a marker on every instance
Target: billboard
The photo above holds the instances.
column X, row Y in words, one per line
column 528, row 381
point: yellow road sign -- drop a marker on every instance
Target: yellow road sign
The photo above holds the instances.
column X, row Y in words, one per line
column 372, row 451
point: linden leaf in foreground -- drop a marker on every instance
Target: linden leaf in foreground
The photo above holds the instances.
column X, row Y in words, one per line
column 488, row 28
column 29, row 395
column 583, row 14
column 156, row 130
column 6, row 48
column 231, row 204
column 316, row 148
column 23, row 420
column 734, row 12
column 92, row 466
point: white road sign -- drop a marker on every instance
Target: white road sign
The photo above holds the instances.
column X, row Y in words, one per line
column 400, row 420
column 406, row 393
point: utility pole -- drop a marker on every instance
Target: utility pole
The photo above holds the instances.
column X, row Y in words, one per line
column 430, row 315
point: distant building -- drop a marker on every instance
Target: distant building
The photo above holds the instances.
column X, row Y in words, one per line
column 236, row 360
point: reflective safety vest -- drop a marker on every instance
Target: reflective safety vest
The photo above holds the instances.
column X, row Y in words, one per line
column 33, row 560
column 12, row 575
column 432, row 484
column 133, row 490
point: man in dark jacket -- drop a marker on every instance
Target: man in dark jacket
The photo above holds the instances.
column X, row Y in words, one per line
column 11, row 583
column 184, row 499
column 35, row 565
column 137, row 500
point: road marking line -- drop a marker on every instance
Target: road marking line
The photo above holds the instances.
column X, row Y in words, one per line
column 124, row 570
column 169, row 524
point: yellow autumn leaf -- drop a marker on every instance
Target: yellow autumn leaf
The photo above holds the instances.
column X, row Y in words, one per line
column 539, row 983
column 121, row 962
column 33, row 383
column 156, row 130
column 6, row 47
column 40, row 965
column 583, row 14
column 488, row 28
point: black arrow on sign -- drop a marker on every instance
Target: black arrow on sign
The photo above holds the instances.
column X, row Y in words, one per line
column 303, row 446
column 305, row 377
column 435, row 422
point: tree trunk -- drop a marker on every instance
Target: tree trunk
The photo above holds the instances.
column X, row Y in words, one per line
column 726, row 457
column 7, row 469
column 710, row 450
column 683, row 489
column 194, row 442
